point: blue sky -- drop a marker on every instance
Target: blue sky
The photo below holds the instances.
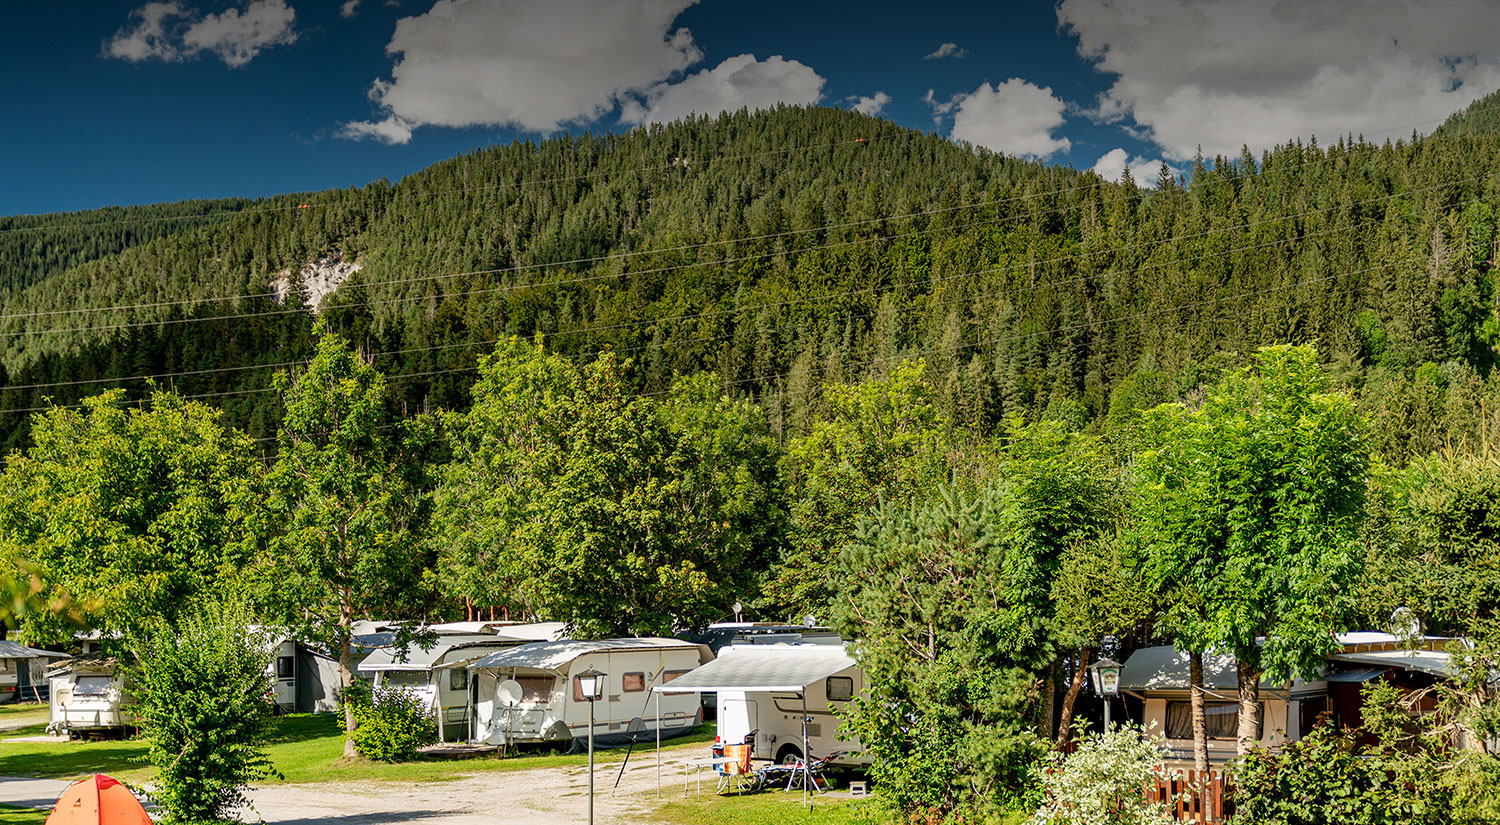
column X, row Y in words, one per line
column 137, row 102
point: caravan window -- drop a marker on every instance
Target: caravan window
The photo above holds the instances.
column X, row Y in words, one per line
column 4, row 665
column 672, row 674
column 458, row 679
column 1222, row 719
column 283, row 667
column 840, row 688
column 635, row 682
column 536, row 688
column 405, row 678
column 91, row 685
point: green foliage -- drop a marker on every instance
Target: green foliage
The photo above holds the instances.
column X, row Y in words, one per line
column 1100, row 782
column 947, row 716
column 1249, row 508
column 392, row 722
column 616, row 514
column 134, row 512
column 202, row 690
column 1409, row 772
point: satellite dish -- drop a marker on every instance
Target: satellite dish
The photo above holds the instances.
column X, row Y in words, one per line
column 509, row 693
column 811, row 620
column 1405, row 625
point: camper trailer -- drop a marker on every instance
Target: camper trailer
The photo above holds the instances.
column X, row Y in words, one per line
column 23, row 672
column 552, row 709
column 90, row 697
column 766, row 692
column 437, row 674
column 306, row 681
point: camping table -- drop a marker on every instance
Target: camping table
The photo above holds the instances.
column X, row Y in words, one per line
column 694, row 769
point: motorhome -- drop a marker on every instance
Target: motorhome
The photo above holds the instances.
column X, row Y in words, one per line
column 23, row 671
column 783, row 700
column 437, row 674
column 90, row 697
column 551, row 707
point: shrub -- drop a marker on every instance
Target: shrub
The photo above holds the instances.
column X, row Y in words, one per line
column 391, row 723
column 1100, row 782
column 201, row 689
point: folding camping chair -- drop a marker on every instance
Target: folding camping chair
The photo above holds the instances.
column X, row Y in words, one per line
column 799, row 774
column 734, row 771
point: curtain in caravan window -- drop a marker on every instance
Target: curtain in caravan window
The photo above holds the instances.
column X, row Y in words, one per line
column 1222, row 718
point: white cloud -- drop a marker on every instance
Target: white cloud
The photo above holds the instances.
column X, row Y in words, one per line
column 1222, row 73
column 168, row 31
column 739, row 82
column 535, row 66
column 1113, row 164
column 349, row 9
column 948, row 50
column 1015, row 117
column 872, row 105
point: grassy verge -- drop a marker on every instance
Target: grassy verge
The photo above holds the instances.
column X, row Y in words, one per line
column 303, row 748
column 769, row 807
column 22, row 816
column 18, row 715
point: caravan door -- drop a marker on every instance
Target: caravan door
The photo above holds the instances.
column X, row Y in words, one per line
column 738, row 716
column 286, row 676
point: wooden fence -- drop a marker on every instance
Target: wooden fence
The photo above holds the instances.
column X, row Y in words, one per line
column 1192, row 797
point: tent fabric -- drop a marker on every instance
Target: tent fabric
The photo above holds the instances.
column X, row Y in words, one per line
column 763, row 668
column 1431, row 662
column 1164, row 667
column 415, row 657
column 15, row 650
column 98, row 800
column 554, row 656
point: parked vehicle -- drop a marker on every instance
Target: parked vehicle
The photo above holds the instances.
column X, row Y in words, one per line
column 437, row 674
column 90, row 697
column 552, row 707
column 783, row 700
column 23, row 671
column 306, row 681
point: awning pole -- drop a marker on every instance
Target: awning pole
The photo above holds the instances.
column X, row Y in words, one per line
column 806, row 755
column 658, row 744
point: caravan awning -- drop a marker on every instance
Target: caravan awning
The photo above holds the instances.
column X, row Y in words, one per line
column 1432, row 662
column 763, row 668
column 15, row 650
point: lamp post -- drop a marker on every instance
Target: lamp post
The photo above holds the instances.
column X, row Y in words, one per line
column 1106, row 674
column 591, row 686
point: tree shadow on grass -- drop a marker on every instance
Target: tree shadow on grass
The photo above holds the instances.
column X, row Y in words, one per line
column 70, row 759
column 382, row 818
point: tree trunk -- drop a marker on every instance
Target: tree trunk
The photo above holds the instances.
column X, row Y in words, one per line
column 1049, row 700
column 1200, row 720
column 1063, row 727
column 1249, row 684
column 346, row 680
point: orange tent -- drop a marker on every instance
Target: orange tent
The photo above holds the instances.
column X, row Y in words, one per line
column 98, row 800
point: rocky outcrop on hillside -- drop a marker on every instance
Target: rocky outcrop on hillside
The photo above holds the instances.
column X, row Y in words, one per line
column 313, row 282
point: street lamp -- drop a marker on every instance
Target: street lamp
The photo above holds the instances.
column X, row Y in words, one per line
column 591, row 686
column 1106, row 674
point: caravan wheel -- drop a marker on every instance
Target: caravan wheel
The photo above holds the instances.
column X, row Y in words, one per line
column 789, row 755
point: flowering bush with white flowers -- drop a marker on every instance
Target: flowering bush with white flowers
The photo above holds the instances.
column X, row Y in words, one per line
column 1101, row 782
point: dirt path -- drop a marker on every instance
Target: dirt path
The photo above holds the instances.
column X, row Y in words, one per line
column 539, row 796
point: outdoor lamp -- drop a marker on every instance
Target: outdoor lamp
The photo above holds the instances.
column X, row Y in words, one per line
column 591, row 684
column 1106, row 677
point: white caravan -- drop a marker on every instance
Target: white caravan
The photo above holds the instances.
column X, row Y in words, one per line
column 89, row 697
column 23, row 671
column 765, row 692
column 552, row 709
column 306, row 681
column 437, row 675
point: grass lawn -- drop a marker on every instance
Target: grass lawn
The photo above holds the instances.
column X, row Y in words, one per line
column 769, row 807
column 304, row 748
column 15, row 715
column 22, row 816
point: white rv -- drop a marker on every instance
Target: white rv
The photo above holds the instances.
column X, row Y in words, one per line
column 552, row 709
column 23, row 671
column 784, row 700
column 437, row 674
column 89, row 698
column 306, row 681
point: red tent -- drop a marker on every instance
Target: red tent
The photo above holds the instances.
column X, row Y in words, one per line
column 98, row 800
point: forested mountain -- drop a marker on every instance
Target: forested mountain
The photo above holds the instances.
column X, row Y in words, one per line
column 1481, row 117
column 788, row 249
